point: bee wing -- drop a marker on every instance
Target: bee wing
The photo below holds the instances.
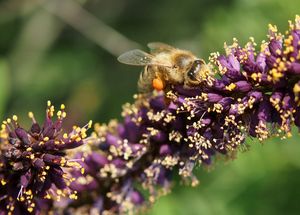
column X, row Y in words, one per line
column 137, row 57
column 160, row 47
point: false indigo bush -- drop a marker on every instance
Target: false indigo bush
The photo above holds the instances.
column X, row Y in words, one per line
column 129, row 164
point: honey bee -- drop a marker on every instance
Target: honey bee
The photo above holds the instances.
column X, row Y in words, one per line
column 165, row 66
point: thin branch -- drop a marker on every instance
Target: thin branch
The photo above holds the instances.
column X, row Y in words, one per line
column 90, row 26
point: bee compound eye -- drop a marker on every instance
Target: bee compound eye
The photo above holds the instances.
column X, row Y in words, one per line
column 192, row 74
column 194, row 69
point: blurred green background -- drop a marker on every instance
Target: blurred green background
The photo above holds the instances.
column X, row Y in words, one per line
column 65, row 51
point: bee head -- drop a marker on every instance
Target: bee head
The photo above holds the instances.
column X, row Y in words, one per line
column 194, row 74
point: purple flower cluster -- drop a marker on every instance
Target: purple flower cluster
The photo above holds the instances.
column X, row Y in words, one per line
column 129, row 164
column 253, row 93
column 33, row 162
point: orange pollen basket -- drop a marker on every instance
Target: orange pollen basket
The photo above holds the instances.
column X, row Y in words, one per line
column 158, row 84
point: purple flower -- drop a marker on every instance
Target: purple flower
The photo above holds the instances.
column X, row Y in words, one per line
column 33, row 162
column 257, row 94
column 129, row 164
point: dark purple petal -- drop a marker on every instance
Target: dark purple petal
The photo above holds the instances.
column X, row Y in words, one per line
column 294, row 68
column 38, row 163
column 226, row 102
column 23, row 136
column 243, row 86
column 261, row 62
column 165, row 149
column 136, row 197
column 213, row 97
column 234, row 62
column 35, row 128
column 275, row 47
column 56, row 176
column 99, row 159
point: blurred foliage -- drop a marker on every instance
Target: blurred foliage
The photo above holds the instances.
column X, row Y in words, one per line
column 4, row 85
column 48, row 53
